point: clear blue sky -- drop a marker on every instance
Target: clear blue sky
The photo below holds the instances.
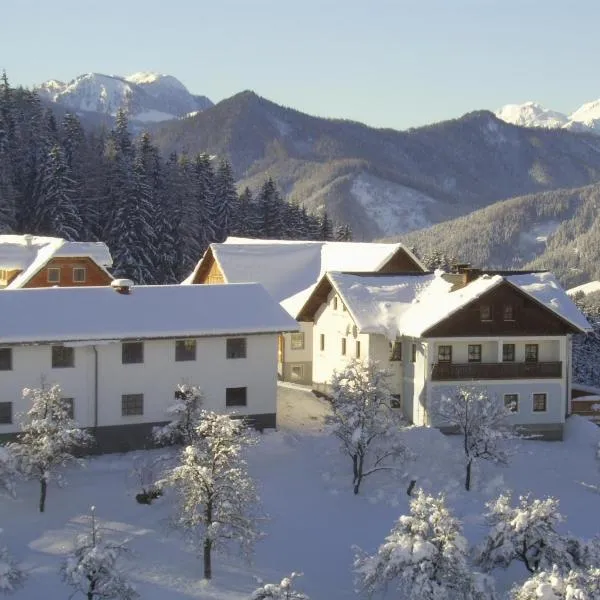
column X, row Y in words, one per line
column 388, row 63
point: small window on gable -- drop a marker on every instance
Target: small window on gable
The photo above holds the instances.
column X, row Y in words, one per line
column 322, row 342
column 531, row 352
column 395, row 351
column 5, row 413
column 236, row 347
column 485, row 312
column 511, row 402
column 413, row 356
column 5, row 359
column 63, row 357
column 236, row 396
column 297, row 340
column 445, row 354
column 53, row 275
column 69, row 404
column 344, row 346
column 508, row 312
column 508, row 353
column 132, row 353
column 474, row 353
column 185, row 350
column 539, row 403
column 79, row 274
column 335, row 303
column 357, row 349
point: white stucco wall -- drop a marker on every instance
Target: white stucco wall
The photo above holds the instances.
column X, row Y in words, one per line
column 335, row 324
column 156, row 378
column 491, row 350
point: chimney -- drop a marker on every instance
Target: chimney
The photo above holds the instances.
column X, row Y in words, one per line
column 462, row 274
column 28, row 239
column 121, row 286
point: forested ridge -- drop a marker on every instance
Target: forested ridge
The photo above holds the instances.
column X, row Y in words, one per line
column 156, row 214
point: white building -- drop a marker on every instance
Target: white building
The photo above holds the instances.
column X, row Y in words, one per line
column 289, row 271
column 120, row 353
column 434, row 332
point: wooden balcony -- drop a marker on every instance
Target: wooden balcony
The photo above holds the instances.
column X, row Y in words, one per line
column 503, row 370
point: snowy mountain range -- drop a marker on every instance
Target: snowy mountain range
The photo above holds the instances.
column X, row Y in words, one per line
column 147, row 97
column 531, row 114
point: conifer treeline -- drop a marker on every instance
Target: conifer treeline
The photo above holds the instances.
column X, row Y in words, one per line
column 156, row 215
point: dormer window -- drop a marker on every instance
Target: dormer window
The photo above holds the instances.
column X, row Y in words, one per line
column 485, row 312
column 53, row 275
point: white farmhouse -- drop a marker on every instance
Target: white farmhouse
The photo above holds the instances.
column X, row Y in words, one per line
column 289, row 271
column 119, row 353
column 434, row 332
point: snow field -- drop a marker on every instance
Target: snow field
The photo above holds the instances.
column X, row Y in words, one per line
column 314, row 519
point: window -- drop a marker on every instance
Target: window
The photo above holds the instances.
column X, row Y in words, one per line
column 539, row 403
column 69, row 404
column 5, row 413
column 445, row 354
column 297, row 372
column 485, row 312
column 413, row 356
column 63, row 357
column 511, row 402
column 236, row 348
column 531, row 352
column 343, row 307
column 343, row 346
column 5, row 359
column 395, row 351
column 508, row 313
column 79, row 274
column 508, row 352
column 53, row 275
column 132, row 352
column 235, row 396
column 185, row 350
column 335, row 303
column 357, row 349
column 132, row 404
column 322, row 342
column 396, row 401
column 297, row 341
column 474, row 352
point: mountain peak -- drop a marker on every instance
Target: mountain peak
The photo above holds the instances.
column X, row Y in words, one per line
column 532, row 114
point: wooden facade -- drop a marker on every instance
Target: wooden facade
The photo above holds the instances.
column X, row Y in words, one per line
column 66, row 266
column 504, row 370
column 529, row 318
column 209, row 270
column 400, row 262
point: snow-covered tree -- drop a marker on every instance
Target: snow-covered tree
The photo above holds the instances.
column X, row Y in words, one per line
column 364, row 421
column 92, row 569
column 525, row 533
column 185, row 414
column 48, row 437
column 9, row 471
column 217, row 497
column 425, row 556
column 279, row 591
column 482, row 423
column 555, row 585
column 11, row 576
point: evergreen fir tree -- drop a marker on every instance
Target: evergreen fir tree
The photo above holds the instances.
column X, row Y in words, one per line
column 246, row 219
column 225, row 201
column 343, row 233
column 270, row 211
column 326, row 228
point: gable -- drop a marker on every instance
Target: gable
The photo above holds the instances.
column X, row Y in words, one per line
column 208, row 270
column 401, row 262
column 95, row 275
column 529, row 317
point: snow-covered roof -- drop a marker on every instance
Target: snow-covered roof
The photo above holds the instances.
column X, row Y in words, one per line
column 290, row 269
column 29, row 254
column 169, row 311
column 412, row 304
column 586, row 288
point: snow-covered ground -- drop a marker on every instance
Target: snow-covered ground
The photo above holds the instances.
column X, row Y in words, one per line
column 314, row 519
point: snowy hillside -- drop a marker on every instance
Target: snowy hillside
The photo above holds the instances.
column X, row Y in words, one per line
column 531, row 114
column 148, row 97
column 313, row 517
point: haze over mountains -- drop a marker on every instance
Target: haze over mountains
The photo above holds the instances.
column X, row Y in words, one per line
column 381, row 181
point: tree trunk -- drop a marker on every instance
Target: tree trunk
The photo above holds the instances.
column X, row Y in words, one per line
column 91, row 589
column 358, row 476
column 43, row 487
column 208, row 542
column 354, row 468
column 468, row 478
